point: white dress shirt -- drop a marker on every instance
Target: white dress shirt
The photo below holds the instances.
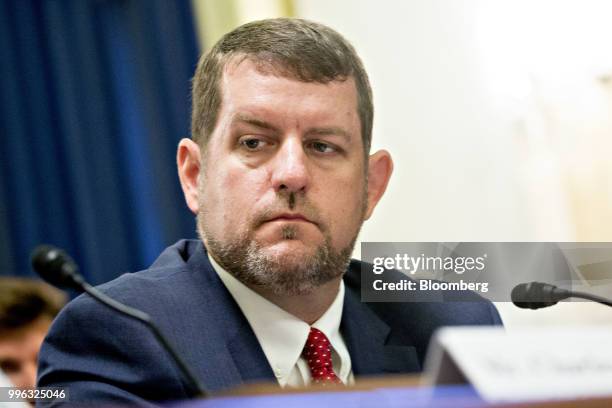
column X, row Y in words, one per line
column 282, row 336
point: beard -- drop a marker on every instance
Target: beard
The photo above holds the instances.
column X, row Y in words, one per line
column 284, row 274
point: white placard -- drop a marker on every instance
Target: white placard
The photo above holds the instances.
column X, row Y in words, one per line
column 524, row 364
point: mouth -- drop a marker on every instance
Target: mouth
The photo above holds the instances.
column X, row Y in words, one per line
column 291, row 217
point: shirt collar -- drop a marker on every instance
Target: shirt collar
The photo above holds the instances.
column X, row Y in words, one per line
column 282, row 336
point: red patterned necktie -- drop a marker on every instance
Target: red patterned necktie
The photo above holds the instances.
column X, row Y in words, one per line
column 317, row 353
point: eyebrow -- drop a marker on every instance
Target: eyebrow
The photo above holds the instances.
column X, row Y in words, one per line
column 250, row 120
column 332, row 130
column 315, row 131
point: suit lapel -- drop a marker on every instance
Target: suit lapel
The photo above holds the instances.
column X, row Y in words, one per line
column 238, row 357
column 371, row 343
column 248, row 355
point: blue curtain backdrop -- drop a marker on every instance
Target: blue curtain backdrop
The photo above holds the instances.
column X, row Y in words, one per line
column 94, row 96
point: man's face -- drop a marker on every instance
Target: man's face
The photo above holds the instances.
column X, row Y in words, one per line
column 281, row 189
column 19, row 352
column 283, row 178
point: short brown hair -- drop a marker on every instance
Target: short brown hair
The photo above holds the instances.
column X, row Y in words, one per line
column 296, row 48
column 23, row 301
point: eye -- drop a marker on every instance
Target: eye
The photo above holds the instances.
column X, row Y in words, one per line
column 322, row 147
column 9, row 366
column 252, row 143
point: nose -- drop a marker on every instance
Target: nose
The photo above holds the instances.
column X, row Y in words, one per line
column 290, row 168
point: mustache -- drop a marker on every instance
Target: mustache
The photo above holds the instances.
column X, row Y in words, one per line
column 289, row 204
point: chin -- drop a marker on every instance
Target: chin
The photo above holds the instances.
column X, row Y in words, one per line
column 289, row 249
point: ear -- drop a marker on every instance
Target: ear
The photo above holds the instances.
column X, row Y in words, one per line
column 379, row 172
column 188, row 163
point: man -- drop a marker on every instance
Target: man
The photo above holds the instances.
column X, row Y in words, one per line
column 280, row 177
column 27, row 308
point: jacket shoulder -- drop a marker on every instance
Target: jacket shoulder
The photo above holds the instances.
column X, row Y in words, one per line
column 462, row 308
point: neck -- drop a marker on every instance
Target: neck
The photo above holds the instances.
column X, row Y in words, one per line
column 308, row 307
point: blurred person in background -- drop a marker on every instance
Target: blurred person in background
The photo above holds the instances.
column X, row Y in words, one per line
column 27, row 308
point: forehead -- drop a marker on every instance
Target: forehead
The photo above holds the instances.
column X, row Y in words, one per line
column 251, row 87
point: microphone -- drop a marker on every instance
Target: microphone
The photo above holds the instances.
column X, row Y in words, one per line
column 536, row 295
column 58, row 268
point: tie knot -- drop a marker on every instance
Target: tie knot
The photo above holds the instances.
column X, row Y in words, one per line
column 317, row 353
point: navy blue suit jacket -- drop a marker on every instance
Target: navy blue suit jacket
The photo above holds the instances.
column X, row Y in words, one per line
column 104, row 357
